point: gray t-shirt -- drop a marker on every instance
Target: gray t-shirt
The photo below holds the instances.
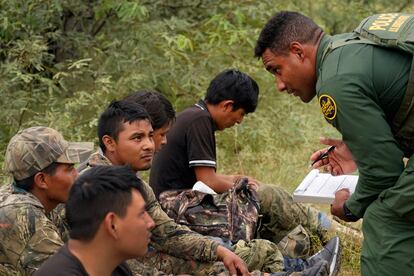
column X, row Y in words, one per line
column 64, row 263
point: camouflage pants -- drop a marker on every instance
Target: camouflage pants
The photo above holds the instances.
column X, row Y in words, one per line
column 158, row 264
column 259, row 255
column 8, row 270
column 262, row 255
column 280, row 214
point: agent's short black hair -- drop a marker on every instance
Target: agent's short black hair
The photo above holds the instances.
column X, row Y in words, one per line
column 284, row 28
column 158, row 107
column 119, row 112
column 234, row 85
column 95, row 193
column 28, row 183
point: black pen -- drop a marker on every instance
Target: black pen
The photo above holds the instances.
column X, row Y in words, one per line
column 323, row 155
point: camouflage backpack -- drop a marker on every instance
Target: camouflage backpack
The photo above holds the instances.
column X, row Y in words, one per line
column 231, row 216
column 390, row 30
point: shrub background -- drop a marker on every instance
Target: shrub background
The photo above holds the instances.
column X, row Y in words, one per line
column 63, row 61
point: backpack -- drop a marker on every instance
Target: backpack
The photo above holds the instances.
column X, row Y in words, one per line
column 232, row 215
column 390, row 30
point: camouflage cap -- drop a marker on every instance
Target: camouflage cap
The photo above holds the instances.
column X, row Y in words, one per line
column 35, row 148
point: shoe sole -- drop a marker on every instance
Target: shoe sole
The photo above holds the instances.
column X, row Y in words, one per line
column 336, row 259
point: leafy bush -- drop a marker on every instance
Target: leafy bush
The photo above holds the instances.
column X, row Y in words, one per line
column 63, row 61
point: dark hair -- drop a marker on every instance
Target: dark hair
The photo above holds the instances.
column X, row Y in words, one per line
column 234, row 85
column 119, row 112
column 28, row 182
column 284, row 28
column 158, row 107
column 95, row 193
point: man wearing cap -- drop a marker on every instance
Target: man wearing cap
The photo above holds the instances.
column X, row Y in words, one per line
column 42, row 165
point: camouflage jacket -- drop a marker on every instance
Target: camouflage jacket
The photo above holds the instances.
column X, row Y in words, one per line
column 168, row 236
column 28, row 235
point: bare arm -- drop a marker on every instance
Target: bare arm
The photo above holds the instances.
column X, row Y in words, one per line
column 218, row 182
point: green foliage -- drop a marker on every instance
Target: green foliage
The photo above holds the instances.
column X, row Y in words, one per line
column 63, row 61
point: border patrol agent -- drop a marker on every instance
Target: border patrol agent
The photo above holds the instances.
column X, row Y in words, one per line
column 365, row 91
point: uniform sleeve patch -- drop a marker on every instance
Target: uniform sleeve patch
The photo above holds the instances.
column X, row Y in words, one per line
column 328, row 106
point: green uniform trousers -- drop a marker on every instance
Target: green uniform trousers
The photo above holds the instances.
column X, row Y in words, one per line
column 388, row 227
column 388, row 247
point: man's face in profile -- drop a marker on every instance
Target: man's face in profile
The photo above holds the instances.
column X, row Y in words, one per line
column 134, row 228
column 293, row 73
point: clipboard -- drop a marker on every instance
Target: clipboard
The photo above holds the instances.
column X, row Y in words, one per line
column 319, row 187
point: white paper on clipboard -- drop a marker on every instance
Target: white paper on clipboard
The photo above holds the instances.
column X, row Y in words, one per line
column 319, row 187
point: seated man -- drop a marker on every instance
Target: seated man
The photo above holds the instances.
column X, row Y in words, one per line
column 42, row 165
column 126, row 138
column 160, row 110
column 190, row 156
column 176, row 249
column 108, row 224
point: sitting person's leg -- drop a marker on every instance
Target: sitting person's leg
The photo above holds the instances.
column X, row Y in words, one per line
column 259, row 255
column 280, row 215
column 173, row 265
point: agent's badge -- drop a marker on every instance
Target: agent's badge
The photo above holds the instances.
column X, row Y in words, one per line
column 328, row 106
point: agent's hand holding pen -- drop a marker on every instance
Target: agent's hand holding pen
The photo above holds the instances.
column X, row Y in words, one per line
column 338, row 160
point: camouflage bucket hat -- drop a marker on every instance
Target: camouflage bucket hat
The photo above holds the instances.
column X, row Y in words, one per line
column 33, row 149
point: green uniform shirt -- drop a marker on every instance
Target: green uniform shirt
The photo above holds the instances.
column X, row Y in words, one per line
column 360, row 88
column 28, row 235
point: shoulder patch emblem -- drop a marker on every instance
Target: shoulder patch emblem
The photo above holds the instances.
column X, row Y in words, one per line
column 328, row 106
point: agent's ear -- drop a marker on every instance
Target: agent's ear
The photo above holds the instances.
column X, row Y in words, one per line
column 40, row 180
column 110, row 224
column 109, row 142
column 227, row 105
column 297, row 49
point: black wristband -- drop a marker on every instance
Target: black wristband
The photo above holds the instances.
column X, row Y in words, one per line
column 348, row 214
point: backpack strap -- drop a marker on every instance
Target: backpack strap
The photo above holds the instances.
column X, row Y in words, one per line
column 407, row 103
column 355, row 39
column 403, row 114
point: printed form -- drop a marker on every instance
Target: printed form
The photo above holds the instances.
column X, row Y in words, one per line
column 319, row 187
